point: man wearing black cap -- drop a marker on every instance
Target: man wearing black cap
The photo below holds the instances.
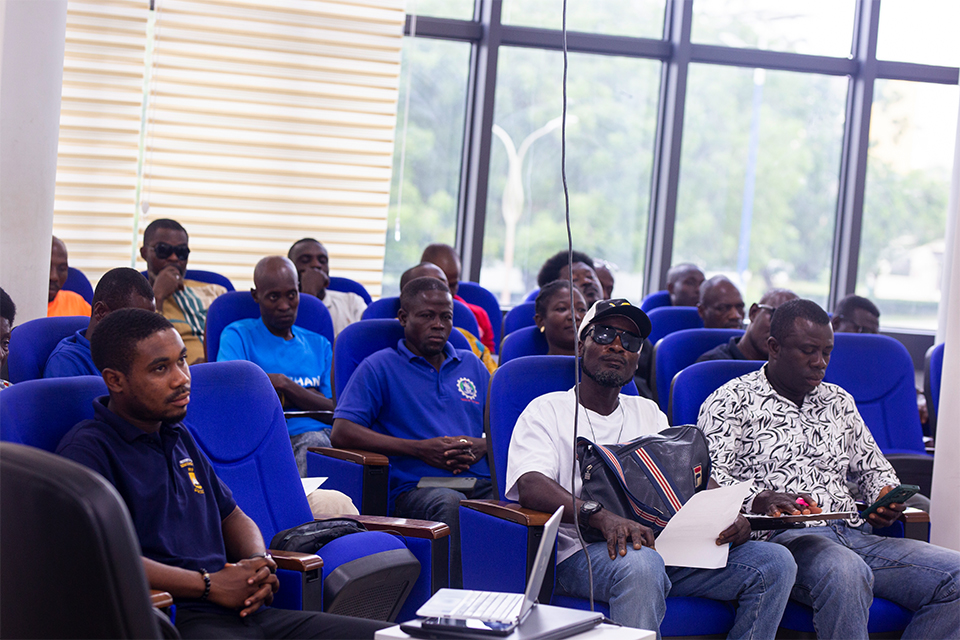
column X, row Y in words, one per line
column 632, row 579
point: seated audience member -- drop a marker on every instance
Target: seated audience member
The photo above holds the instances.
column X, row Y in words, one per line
column 182, row 302
column 428, row 269
column 797, row 437
column 313, row 267
column 752, row 345
column 196, row 542
column 555, row 319
column 683, row 284
column 856, row 314
column 8, row 312
column 297, row 360
column 584, row 277
column 421, row 404
column 61, row 302
column 120, row 288
column 605, row 271
column 721, row 305
column 632, row 580
column 445, row 257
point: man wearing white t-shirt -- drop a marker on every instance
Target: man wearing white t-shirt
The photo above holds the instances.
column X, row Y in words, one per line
column 632, row 579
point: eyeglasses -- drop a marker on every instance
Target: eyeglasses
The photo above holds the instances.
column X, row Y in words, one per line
column 602, row 334
column 164, row 250
column 767, row 307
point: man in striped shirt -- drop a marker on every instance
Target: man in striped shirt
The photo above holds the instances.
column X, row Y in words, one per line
column 183, row 302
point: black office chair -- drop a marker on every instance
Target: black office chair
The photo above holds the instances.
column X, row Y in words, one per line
column 71, row 560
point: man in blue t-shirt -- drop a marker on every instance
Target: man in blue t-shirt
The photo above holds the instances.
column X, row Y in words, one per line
column 197, row 544
column 120, row 288
column 296, row 360
column 421, row 404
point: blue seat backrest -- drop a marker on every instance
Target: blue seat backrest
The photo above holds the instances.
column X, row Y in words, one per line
column 666, row 320
column 312, row 314
column 878, row 372
column 386, row 308
column 681, row 349
column 39, row 413
column 512, row 387
column 236, row 418
column 525, row 341
column 352, row 286
column 475, row 294
column 518, row 317
column 79, row 283
column 32, row 342
column 532, row 296
column 692, row 385
column 654, row 300
column 360, row 339
column 210, row 277
column 935, row 365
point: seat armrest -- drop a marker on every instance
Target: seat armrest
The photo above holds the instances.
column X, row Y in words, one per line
column 410, row 528
column 357, row 456
column 294, row 561
column 160, row 599
column 510, row 511
column 912, row 515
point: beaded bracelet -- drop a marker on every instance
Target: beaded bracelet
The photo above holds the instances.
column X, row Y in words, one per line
column 206, row 584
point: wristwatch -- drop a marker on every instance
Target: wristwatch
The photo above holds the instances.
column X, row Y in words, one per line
column 587, row 509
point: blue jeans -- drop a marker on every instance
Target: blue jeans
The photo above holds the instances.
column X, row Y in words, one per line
column 759, row 575
column 841, row 568
column 302, row 441
column 441, row 505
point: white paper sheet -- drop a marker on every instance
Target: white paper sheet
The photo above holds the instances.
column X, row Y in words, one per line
column 690, row 538
column 312, row 484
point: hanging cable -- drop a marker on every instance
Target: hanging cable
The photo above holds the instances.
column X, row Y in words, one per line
column 406, row 119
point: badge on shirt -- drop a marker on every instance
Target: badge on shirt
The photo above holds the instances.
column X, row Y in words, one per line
column 187, row 464
column 467, row 389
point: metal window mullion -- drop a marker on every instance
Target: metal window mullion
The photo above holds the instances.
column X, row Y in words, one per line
column 856, row 140
column 666, row 164
column 475, row 173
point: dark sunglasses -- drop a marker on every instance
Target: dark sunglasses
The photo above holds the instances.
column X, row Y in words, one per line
column 164, row 250
column 602, row 334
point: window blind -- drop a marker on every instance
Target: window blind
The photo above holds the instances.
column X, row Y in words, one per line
column 272, row 120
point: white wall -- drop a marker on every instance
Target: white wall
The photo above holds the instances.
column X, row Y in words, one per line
column 31, row 74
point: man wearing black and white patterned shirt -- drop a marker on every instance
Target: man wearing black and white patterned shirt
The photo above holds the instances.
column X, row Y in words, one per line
column 797, row 438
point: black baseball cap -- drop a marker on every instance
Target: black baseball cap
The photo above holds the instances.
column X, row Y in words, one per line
column 616, row 307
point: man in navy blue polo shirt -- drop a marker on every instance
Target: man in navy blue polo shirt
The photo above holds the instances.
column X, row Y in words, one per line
column 197, row 544
column 421, row 404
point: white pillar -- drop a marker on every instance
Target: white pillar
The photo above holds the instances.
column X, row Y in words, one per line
column 32, row 35
column 944, row 506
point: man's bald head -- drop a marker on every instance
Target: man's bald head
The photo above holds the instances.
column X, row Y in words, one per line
column 277, row 292
column 271, row 266
column 721, row 305
column 422, row 270
column 683, row 284
column 445, row 257
column 753, row 344
column 59, row 269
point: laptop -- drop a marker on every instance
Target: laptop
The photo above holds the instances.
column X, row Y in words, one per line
column 460, row 613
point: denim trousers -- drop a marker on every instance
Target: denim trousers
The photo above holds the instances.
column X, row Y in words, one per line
column 841, row 568
column 302, row 441
column 441, row 505
column 758, row 575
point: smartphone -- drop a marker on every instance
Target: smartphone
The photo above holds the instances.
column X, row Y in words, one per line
column 896, row 495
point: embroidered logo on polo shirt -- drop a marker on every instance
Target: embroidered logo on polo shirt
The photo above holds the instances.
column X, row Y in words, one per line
column 187, row 464
column 467, row 389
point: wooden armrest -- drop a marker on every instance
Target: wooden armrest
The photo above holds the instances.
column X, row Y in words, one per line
column 511, row 511
column 912, row 515
column 295, row 561
column 296, row 413
column 357, row 456
column 160, row 599
column 405, row 526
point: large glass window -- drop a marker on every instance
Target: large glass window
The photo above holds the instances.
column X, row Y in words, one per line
column 425, row 210
column 919, row 32
column 912, row 138
column 759, row 177
column 611, row 122
column 818, row 27
column 459, row 9
column 637, row 18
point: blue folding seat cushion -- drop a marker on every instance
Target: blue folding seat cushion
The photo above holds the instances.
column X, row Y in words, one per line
column 32, row 342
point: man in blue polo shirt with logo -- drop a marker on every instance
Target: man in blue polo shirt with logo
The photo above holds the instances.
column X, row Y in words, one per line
column 196, row 542
column 421, row 404
column 297, row 360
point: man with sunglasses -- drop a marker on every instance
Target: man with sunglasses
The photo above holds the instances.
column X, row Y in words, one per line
column 183, row 302
column 630, row 578
column 752, row 345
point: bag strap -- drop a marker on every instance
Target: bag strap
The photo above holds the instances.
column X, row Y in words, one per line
column 613, row 464
column 659, row 478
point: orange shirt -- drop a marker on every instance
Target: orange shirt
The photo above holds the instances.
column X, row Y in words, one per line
column 68, row 303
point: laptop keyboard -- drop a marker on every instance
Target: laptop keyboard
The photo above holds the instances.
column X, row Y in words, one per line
column 488, row 605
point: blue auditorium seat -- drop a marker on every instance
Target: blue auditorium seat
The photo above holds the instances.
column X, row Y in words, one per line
column 681, row 349
column 387, row 308
column 475, row 294
column 666, row 320
column 210, row 277
column 654, row 300
column 32, row 342
column 518, row 317
column 352, row 286
column 79, row 283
